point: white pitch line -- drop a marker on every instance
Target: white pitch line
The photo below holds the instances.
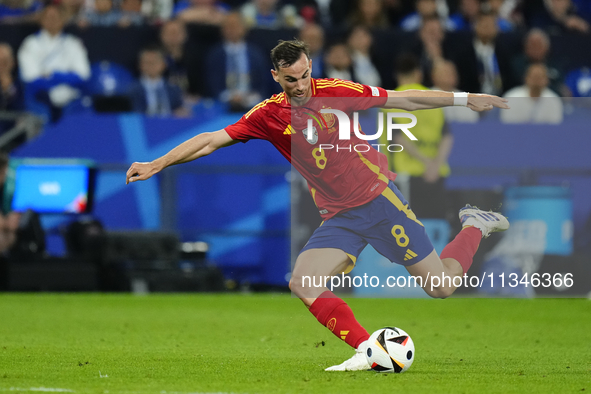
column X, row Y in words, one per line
column 60, row 390
column 44, row 389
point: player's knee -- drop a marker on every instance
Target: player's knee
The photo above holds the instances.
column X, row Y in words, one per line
column 295, row 284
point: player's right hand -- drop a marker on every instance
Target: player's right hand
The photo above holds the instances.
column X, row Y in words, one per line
column 140, row 172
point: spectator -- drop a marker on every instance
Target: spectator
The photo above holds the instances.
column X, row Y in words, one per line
column 536, row 49
column 431, row 36
column 236, row 72
column 484, row 48
column 533, row 102
column 173, row 37
column 483, row 66
column 426, row 160
column 208, row 12
column 103, row 14
column 11, row 94
column 72, row 10
column 369, row 13
column 267, row 14
column 425, row 9
column 313, row 35
column 53, row 64
column 360, row 42
column 9, row 221
column 466, row 16
column 495, row 7
column 338, row 63
column 131, row 13
column 152, row 95
column 559, row 16
column 445, row 77
column 19, row 11
column 397, row 10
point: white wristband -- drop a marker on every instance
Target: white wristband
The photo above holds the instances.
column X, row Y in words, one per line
column 460, row 99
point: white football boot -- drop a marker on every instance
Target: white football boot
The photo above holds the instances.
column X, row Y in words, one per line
column 487, row 222
column 356, row 363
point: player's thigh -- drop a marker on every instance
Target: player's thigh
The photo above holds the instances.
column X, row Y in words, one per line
column 313, row 271
column 322, row 261
column 333, row 248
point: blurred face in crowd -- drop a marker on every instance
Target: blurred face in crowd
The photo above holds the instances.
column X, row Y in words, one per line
column 173, row 34
column 152, row 64
column 313, row 35
column 6, row 59
column 131, row 5
column 495, row 5
column 426, row 7
column 370, row 9
column 444, row 75
column 295, row 80
column 537, row 46
column 486, row 28
column 233, row 28
column 536, row 78
column 558, row 8
column 470, row 8
column 103, row 6
column 338, row 57
column 52, row 20
column 431, row 31
column 265, row 7
column 72, row 4
column 360, row 39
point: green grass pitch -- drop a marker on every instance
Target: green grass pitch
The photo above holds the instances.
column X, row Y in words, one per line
column 265, row 343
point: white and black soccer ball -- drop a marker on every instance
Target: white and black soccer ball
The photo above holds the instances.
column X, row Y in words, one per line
column 390, row 349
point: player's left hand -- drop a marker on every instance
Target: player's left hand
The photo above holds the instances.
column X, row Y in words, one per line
column 485, row 102
column 140, row 172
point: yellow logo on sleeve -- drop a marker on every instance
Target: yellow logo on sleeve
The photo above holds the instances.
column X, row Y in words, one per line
column 289, row 130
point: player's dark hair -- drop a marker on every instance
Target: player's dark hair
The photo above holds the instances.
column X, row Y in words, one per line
column 406, row 64
column 287, row 53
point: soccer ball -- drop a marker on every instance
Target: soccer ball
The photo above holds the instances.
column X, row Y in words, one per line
column 390, row 349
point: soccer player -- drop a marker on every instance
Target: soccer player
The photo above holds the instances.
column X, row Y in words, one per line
column 353, row 190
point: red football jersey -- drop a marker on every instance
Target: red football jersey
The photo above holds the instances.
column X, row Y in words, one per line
column 339, row 178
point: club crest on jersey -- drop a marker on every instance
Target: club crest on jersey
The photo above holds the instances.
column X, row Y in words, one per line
column 329, row 118
column 314, row 137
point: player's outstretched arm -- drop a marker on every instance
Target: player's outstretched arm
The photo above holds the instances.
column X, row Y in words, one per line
column 194, row 148
column 412, row 100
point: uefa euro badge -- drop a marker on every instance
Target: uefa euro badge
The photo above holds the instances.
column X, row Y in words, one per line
column 311, row 138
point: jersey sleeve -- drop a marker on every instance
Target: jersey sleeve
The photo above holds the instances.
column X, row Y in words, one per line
column 250, row 126
column 361, row 96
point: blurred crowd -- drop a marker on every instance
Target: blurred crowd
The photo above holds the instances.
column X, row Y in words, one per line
column 459, row 45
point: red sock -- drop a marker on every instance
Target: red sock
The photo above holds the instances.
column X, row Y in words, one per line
column 463, row 247
column 335, row 314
